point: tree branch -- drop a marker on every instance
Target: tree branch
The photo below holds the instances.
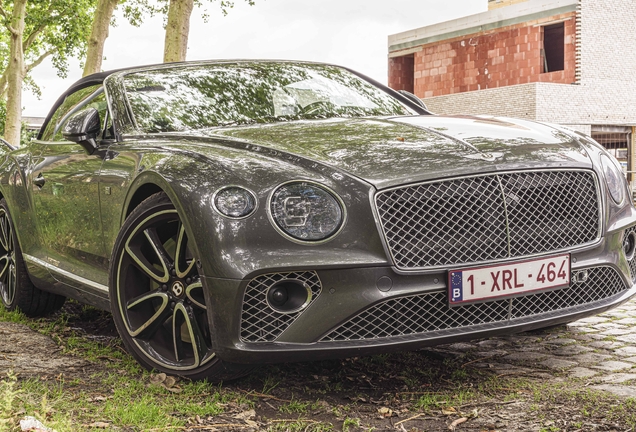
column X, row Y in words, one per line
column 39, row 60
column 7, row 24
column 29, row 41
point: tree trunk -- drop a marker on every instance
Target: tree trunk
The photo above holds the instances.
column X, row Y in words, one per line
column 15, row 74
column 177, row 30
column 3, row 84
column 99, row 33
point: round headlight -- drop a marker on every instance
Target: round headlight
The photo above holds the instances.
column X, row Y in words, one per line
column 306, row 211
column 234, row 202
column 614, row 179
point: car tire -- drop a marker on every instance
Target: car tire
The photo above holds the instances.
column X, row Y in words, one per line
column 17, row 292
column 157, row 298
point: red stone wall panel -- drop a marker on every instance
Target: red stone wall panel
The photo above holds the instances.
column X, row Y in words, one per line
column 500, row 57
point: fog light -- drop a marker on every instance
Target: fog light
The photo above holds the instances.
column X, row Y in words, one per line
column 278, row 296
column 629, row 245
column 288, row 296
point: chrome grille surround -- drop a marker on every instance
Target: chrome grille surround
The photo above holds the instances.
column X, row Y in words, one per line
column 429, row 312
column 478, row 219
column 261, row 323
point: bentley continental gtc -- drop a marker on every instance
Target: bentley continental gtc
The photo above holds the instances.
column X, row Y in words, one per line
column 232, row 213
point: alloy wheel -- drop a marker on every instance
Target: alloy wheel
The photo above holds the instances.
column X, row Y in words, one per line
column 7, row 260
column 160, row 294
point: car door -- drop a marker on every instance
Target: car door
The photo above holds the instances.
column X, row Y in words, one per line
column 65, row 190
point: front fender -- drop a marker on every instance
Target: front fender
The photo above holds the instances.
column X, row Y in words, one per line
column 190, row 174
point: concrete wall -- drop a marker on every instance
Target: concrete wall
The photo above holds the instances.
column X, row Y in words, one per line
column 554, row 103
column 494, row 4
column 608, row 41
column 512, row 101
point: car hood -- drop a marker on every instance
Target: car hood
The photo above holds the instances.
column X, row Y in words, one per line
column 390, row 151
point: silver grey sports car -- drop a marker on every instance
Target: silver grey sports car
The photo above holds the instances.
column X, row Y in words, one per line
column 242, row 212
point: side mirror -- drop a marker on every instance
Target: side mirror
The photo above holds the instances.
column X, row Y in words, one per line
column 410, row 96
column 83, row 129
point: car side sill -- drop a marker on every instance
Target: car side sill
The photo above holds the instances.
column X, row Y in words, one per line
column 69, row 275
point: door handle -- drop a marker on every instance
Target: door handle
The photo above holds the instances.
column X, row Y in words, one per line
column 39, row 181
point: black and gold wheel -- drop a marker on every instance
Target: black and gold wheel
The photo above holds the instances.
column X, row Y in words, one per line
column 157, row 296
column 16, row 289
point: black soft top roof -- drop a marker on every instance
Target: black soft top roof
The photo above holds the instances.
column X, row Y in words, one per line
column 87, row 81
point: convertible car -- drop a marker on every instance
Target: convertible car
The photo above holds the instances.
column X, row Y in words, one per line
column 233, row 213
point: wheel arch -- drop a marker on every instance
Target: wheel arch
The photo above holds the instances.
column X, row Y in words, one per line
column 148, row 184
column 143, row 192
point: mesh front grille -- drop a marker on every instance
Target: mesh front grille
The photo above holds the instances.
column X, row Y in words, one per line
column 428, row 312
column 476, row 219
column 259, row 322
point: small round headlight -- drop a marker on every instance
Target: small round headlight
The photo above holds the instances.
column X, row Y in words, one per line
column 306, row 211
column 234, row 202
column 614, row 179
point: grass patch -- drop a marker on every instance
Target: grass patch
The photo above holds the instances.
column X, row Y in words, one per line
column 294, row 407
column 355, row 394
column 299, row 426
column 116, row 392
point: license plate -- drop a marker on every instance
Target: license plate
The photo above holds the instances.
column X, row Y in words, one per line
column 493, row 282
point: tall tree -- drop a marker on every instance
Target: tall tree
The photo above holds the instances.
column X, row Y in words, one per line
column 36, row 30
column 177, row 30
column 134, row 10
column 14, row 23
column 99, row 33
column 178, row 25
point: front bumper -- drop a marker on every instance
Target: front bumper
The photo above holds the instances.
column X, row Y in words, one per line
column 354, row 312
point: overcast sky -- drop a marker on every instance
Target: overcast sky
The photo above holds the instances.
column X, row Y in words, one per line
column 352, row 33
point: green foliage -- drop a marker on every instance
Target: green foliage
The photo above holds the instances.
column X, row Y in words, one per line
column 8, row 394
column 134, row 10
column 161, row 7
column 3, row 114
column 55, row 29
column 26, row 135
column 294, row 406
column 64, row 26
column 350, row 423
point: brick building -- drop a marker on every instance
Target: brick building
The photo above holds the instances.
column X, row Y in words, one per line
column 563, row 61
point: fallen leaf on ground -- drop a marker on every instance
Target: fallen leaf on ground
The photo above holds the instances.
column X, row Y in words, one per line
column 246, row 415
column 165, row 381
column 449, row 411
column 99, row 398
column 385, row 412
column 170, row 381
column 158, row 378
column 457, row 422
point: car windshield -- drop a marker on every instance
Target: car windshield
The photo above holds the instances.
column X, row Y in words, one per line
column 204, row 96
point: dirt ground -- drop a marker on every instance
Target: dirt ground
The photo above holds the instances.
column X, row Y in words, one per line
column 528, row 382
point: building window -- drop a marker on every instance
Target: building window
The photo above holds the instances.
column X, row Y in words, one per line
column 553, row 52
column 401, row 73
column 617, row 141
